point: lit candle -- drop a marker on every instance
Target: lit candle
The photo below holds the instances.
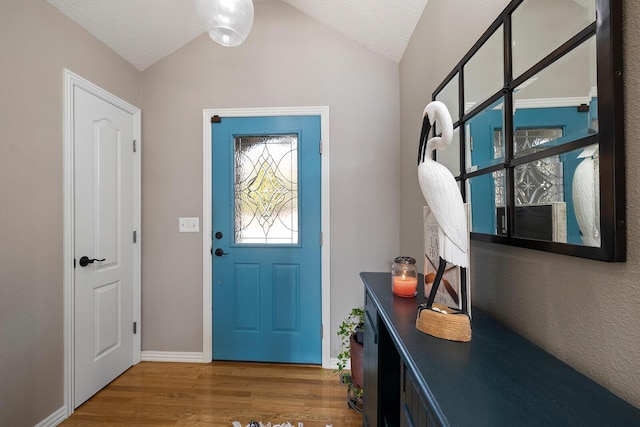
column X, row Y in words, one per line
column 404, row 286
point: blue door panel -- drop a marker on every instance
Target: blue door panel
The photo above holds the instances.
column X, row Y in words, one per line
column 286, row 298
column 246, row 289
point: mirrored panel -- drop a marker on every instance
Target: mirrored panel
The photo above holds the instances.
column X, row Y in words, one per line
column 449, row 95
column 483, row 145
column 450, row 157
column 557, row 198
column 487, row 216
column 541, row 26
column 585, row 195
column 563, row 196
column 557, row 105
column 484, row 74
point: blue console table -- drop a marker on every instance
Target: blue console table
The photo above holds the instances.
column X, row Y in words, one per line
column 497, row 379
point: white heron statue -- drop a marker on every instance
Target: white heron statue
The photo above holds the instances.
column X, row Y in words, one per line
column 442, row 194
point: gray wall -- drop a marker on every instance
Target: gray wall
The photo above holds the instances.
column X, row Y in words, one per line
column 288, row 60
column 36, row 43
column 584, row 312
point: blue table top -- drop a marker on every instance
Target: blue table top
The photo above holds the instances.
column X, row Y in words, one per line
column 497, row 379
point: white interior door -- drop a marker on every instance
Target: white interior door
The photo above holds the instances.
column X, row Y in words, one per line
column 103, row 242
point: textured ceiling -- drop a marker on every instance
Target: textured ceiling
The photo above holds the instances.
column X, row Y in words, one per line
column 145, row 31
column 384, row 26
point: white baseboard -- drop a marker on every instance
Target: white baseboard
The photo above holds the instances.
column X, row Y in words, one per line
column 172, row 356
column 54, row 419
column 197, row 357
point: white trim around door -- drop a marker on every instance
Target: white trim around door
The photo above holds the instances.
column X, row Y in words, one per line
column 207, row 114
column 72, row 80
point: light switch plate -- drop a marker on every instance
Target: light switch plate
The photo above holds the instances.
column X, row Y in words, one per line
column 189, row 225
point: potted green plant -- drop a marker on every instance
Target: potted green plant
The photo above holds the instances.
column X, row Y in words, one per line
column 351, row 349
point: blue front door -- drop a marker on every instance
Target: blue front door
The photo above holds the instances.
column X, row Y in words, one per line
column 266, row 239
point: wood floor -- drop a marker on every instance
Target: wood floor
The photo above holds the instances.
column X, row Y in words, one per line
column 215, row 394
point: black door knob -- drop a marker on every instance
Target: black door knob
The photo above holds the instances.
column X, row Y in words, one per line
column 220, row 252
column 84, row 261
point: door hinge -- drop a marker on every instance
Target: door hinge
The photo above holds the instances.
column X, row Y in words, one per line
column 135, row 327
column 216, row 119
column 74, row 263
column 320, row 147
column 321, row 238
column 135, row 236
column 134, row 145
column 321, row 331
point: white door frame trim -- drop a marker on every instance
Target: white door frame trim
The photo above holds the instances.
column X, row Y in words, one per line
column 207, row 263
column 72, row 80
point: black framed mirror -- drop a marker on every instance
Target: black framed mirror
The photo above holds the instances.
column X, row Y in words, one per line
column 537, row 105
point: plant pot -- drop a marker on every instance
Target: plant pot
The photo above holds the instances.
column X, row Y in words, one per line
column 357, row 361
column 359, row 331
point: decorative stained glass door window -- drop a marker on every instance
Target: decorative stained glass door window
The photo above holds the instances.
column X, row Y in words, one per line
column 266, row 189
column 540, row 181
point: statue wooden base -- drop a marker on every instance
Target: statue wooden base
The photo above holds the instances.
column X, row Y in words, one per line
column 453, row 325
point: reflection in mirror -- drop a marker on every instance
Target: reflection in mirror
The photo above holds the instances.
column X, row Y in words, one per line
column 450, row 157
column 541, row 26
column 484, row 138
column 557, row 198
column 483, row 74
column 487, row 208
column 545, row 221
column 557, row 105
column 586, row 195
column 531, row 161
column 449, row 96
column 540, row 200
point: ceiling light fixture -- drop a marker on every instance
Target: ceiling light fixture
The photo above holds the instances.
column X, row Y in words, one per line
column 227, row 21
